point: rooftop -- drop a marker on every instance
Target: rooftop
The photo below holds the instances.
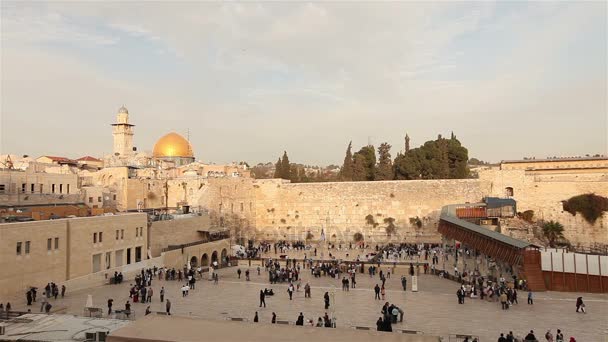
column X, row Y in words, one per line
column 175, row 328
column 549, row 160
column 60, row 328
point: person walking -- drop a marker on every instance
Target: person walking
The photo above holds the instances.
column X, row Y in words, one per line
column 383, row 292
column 580, row 305
column 549, row 336
column 377, row 292
column 110, row 303
column 162, row 294
column 168, row 307
column 262, row 298
column 530, row 298
column 326, row 299
column 290, row 291
column 239, row 273
column 62, row 291
column 404, row 282
column 255, row 318
column 307, row 291
column 274, row 318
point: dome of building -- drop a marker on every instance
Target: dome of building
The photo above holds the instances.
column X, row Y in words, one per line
column 123, row 110
column 172, row 145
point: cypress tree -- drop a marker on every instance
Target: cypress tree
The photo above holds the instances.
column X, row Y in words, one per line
column 346, row 174
column 277, row 169
column 407, row 143
column 384, row 170
column 285, row 166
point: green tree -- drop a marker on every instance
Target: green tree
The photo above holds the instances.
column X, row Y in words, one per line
column 359, row 172
column 436, row 159
column 369, row 161
column 285, row 166
column 384, row 170
column 407, row 143
column 346, row 173
column 278, row 173
column 553, row 231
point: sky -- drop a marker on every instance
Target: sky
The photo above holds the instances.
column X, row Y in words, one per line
column 248, row 80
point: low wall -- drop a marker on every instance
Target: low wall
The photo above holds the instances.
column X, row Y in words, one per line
column 103, row 277
column 572, row 282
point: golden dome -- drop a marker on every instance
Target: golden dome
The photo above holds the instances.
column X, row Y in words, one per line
column 172, row 145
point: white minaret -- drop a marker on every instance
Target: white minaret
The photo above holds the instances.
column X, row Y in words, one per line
column 122, row 131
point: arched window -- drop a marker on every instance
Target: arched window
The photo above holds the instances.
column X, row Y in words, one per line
column 509, row 191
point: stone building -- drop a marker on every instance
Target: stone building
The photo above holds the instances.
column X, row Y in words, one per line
column 34, row 253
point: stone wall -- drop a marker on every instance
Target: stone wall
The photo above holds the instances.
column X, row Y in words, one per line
column 176, row 232
column 281, row 210
column 544, row 195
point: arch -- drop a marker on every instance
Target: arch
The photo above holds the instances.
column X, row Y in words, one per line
column 193, row 262
column 205, row 260
column 224, row 259
column 214, row 257
column 509, row 191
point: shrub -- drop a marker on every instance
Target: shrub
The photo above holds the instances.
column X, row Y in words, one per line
column 390, row 226
column 527, row 215
column 591, row 206
column 283, row 221
column 416, row 221
column 358, row 237
column 369, row 219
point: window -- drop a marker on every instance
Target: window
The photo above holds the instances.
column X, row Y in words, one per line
column 23, row 187
column 122, row 234
column 114, row 197
column 56, row 243
column 49, row 244
column 509, row 191
column 141, row 231
column 90, row 199
column 100, row 236
column 94, row 237
column 2, row 188
column 32, row 188
column 60, row 188
column 117, row 234
column 27, row 247
column 68, row 189
column 52, row 188
column 19, row 248
column 41, row 187
column 99, row 199
column 136, row 231
column 242, row 206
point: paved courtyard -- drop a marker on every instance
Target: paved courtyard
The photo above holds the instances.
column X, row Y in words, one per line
column 433, row 310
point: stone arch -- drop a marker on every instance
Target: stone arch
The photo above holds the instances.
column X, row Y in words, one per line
column 214, row 257
column 193, row 262
column 224, row 259
column 205, row 260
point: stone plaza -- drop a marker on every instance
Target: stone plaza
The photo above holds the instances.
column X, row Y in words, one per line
column 432, row 310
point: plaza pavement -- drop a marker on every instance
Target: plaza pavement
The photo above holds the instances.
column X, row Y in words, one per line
column 433, row 309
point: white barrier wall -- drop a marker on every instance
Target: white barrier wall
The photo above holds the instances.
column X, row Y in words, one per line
column 558, row 261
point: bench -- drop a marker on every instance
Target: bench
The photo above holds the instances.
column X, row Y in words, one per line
column 282, row 322
column 363, row 328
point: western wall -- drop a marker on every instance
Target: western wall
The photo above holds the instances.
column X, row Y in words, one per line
column 278, row 209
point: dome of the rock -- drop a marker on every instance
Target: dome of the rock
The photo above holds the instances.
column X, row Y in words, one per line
column 173, row 147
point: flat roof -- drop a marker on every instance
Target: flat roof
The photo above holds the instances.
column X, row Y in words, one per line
column 56, row 328
column 547, row 160
column 179, row 328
